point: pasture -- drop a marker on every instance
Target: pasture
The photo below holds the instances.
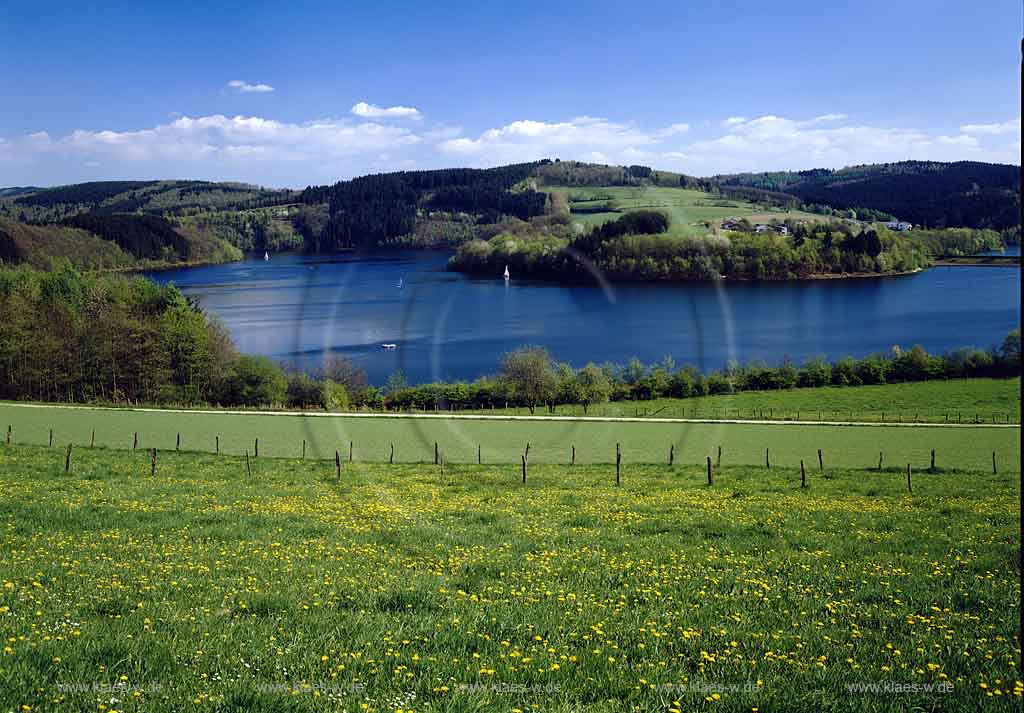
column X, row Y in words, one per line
column 397, row 588
column 685, row 207
column 502, row 440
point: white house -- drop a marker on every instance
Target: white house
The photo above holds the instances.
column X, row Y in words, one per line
column 898, row 225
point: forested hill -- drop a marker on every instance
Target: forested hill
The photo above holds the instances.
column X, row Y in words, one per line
column 175, row 221
column 50, row 205
column 372, row 210
column 932, row 194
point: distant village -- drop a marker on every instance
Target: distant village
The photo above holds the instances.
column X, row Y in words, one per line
column 743, row 225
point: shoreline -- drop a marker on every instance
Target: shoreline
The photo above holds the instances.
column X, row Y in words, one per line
column 618, row 278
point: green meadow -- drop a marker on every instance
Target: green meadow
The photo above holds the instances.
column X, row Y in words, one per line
column 399, row 588
column 685, row 207
column 503, row 440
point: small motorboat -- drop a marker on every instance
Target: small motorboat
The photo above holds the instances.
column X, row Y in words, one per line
column 390, row 346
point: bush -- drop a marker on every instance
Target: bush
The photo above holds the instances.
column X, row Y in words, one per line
column 303, row 391
column 333, row 396
column 255, row 381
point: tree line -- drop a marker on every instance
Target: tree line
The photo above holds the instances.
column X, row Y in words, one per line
column 636, row 247
column 530, row 377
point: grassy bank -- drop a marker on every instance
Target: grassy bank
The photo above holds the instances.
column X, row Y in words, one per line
column 503, row 440
column 398, row 588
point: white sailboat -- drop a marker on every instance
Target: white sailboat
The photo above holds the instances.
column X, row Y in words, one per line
column 266, row 256
column 399, row 283
column 507, row 275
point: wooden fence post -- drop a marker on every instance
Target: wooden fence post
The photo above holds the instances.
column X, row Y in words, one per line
column 135, row 442
column 767, row 461
column 8, row 435
column 910, row 487
column 67, row 460
column 671, row 454
column 527, row 451
column 718, row 463
column 709, row 471
column 303, row 449
column 256, row 449
column 248, row 468
column 391, row 458
column 435, row 453
column 152, row 462
column 803, row 474
column 350, row 451
column 337, row 464
column 932, row 467
column 51, row 438
column 993, row 462
column 92, row 441
column 218, row 445
column 524, row 468
column 177, row 444
column 879, row 461
column 573, row 461
column 821, row 463
column 618, row 463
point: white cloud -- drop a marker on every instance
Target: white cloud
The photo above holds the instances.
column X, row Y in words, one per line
column 239, row 86
column 528, row 139
column 775, row 143
column 273, row 152
column 372, row 111
column 218, row 137
column 673, row 130
column 734, row 120
column 1006, row 127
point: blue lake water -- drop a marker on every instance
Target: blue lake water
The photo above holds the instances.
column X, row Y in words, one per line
column 447, row 325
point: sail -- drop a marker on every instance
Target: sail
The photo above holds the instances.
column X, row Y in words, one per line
column 266, row 256
column 506, row 272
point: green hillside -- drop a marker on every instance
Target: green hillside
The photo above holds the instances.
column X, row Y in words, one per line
column 37, row 245
column 116, row 241
column 692, row 212
column 549, row 202
column 152, row 197
column 966, row 193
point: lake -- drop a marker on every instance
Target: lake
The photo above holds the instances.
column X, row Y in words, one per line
column 450, row 326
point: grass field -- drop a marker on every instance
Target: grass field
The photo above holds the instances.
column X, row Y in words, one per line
column 503, row 440
column 985, row 400
column 398, row 588
column 685, row 207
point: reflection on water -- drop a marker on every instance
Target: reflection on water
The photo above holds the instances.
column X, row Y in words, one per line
column 451, row 326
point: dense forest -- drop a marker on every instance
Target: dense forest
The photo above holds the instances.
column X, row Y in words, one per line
column 166, row 198
column 635, row 247
column 371, row 210
column 931, row 194
column 74, row 337
column 143, row 236
column 39, row 245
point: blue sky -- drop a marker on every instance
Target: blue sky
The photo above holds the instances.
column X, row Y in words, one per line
column 288, row 94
